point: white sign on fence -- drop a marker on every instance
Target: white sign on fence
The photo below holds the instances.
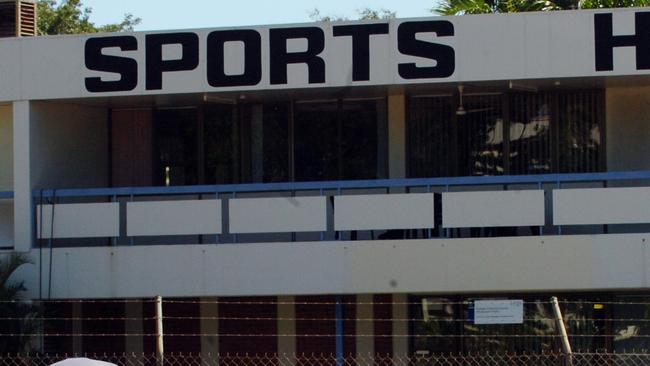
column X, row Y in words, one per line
column 498, row 312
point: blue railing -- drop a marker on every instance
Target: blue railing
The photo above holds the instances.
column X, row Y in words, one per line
column 557, row 179
column 546, row 182
column 6, row 195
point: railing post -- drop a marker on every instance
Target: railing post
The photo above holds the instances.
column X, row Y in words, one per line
column 566, row 346
column 559, row 227
column 160, row 351
column 131, row 239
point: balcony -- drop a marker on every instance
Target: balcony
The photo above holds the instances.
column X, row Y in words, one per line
column 461, row 207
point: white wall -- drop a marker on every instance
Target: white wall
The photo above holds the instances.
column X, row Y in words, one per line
column 6, row 148
column 575, row 262
column 69, row 146
column 628, row 128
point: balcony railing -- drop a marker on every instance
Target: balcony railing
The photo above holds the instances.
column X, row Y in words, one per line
column 520, row 205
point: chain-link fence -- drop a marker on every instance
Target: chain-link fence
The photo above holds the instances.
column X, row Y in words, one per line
column 554, row 359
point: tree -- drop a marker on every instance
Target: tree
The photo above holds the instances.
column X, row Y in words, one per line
column 362, row 14
column 71, row 17
column 460, row 7
column 16, row 318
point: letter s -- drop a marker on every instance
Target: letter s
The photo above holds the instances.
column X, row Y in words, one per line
column 126, row 67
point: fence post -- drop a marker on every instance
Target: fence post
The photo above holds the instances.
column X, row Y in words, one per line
column 160, row 351
column 566, row 346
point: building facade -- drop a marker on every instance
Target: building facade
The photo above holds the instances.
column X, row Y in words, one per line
column 332, row 187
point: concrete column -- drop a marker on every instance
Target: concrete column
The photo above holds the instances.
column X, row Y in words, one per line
column 22, row 176
column 287, row 325
column 396, row 134
column 364, row 326
column 134, row 345
column 400, row 328
column 77, row 328
column 209, row 344
column 6, row 148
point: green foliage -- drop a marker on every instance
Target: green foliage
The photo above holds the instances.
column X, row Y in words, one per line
column 71, row 17
column 362, row 14
column 460, row 7
column 18, row 317
column 372, row 14
column 596, row 4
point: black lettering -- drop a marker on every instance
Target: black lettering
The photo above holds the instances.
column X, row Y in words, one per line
column 606, row 41
column 252, row 58
column 189, row 60
column 444, row 55
column 280, row 58
column 126, row 67
column 360, row 46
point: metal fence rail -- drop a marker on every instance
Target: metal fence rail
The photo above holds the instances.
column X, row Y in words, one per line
column 133, row 359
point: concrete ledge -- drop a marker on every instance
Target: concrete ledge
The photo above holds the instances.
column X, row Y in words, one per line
column 572, row 262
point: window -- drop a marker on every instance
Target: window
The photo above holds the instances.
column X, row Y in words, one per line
column 340, row 140
column 514, row 133
column 265, row 142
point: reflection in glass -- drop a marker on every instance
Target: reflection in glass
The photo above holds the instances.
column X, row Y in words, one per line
column 530, row 133
column 175, row 139
column 632, row 316
column 316, row 141
column 275, row 142
column 221, row 138
column 340, row 140
column 430, row 137
column 586, row 320
column 443, row 325
column 580, row 138
column 480, row 136
column 434, row 316
column 539, row 132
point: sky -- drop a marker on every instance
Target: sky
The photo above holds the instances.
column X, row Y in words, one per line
column 166, row 14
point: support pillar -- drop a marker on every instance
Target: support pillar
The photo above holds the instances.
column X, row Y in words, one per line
column 400, row 328
column 287, row 325
column 209, row 325
column 134, row 325
column 77, row 328
column 23, row 217
column 396, row 134
column 365, row 325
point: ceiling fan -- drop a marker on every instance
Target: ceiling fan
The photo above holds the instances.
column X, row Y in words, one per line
column 461, row 111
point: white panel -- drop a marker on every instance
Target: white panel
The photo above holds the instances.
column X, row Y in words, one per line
column 595, row 206
column 493, row 208
column 79, row 220
column 383, row 211
column 278, row 215
column 173, row 217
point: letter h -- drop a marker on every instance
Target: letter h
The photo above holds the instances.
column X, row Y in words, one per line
column 606, row 41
